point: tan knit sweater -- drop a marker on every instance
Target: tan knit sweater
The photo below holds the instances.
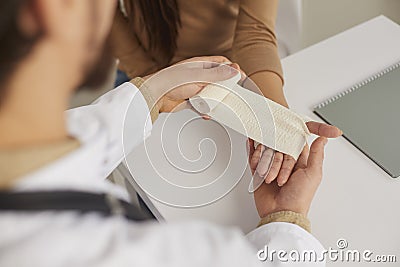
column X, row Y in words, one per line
column 242, row 30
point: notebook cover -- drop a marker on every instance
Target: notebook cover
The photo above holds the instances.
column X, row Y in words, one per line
column 369, row 116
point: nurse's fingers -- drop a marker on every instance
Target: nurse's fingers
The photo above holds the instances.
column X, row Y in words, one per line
column 185, row 80
column 203, row 77
column 207, row 61
column 219, row 73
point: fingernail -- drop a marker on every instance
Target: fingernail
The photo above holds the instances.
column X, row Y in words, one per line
column 325, row 141
column 247, row 146
column 268, row 180
column 262, row 170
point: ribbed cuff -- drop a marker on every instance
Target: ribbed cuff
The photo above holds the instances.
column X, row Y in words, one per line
column 289, row 217
column 151, row 102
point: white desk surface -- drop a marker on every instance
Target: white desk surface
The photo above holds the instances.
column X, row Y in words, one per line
column 356, row 200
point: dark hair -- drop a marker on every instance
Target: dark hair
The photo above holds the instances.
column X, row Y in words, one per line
column 161, row 21
column 14, row 44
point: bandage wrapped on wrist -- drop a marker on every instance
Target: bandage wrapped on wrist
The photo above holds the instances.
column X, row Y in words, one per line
column 254, row 116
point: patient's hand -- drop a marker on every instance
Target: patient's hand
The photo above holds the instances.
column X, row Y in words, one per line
column 283, row 165
column 299, row 190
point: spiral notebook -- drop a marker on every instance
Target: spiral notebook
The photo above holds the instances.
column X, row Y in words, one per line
column 368, row 113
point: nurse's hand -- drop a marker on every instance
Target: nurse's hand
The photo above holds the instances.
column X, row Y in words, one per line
column 299, row 190
column 172, row 86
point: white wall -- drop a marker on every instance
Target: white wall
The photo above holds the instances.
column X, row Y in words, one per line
column 324, row 18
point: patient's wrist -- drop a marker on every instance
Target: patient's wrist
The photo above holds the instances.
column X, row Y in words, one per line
column 289, row 217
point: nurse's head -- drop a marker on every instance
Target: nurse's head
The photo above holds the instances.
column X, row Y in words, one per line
column 70, row 34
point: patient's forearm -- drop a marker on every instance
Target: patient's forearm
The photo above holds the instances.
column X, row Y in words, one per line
column 271, row 86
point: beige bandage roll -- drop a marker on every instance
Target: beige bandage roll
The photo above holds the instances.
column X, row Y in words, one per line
column 254, row 116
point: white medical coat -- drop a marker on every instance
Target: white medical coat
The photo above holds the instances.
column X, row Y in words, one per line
column 71, row 239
